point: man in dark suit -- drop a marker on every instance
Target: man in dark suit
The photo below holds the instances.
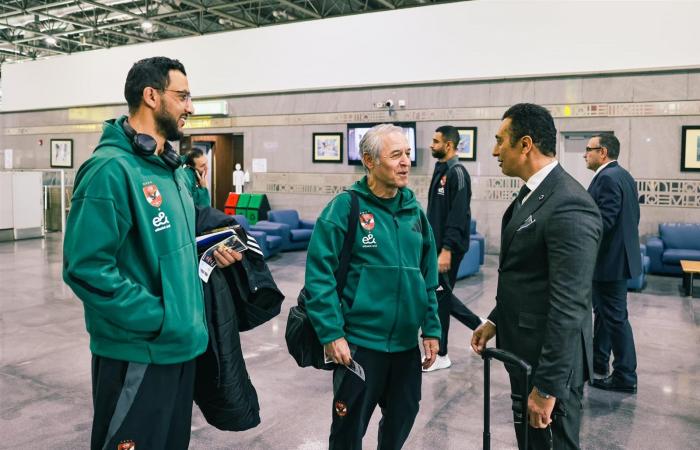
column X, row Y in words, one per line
column 549, row 242
column 615, row 192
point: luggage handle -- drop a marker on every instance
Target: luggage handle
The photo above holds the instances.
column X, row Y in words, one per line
column 512, row 360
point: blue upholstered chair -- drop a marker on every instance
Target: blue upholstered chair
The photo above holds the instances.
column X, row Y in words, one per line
column 298, row 231
column 638, row 283
column 269, row 243
column 479, row 237
column 470, row 262
column 676, row 241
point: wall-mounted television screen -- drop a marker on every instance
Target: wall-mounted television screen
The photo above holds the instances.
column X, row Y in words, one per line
column 357, row 130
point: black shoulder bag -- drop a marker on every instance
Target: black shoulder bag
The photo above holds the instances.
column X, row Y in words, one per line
column 302, row 341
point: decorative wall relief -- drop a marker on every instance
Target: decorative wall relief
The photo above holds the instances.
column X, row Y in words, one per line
column 669, row 193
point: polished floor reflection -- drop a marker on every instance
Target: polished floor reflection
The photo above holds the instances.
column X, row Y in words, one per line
column 45, row 397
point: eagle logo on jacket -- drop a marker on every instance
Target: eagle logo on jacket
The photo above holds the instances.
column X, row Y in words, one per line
column 152, row 194
column 367, row 221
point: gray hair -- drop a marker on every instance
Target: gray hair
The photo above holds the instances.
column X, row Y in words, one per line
column 371, row 142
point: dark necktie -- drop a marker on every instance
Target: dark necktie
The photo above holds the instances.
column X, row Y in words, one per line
column 519, row 199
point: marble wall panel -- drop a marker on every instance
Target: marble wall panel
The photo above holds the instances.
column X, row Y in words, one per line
column 606, row 89
column 508, row 93
column 693, row 86
column 557, row 92
column 660, row 87
column 656, row 147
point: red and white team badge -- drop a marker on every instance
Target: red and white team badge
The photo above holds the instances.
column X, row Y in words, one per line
column 126, row 445
column 367, row 221
column 341, row 409
column 443, row 180
column 152, row 194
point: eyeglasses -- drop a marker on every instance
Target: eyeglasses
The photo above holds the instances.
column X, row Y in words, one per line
column 590, row 149
column 184, row 96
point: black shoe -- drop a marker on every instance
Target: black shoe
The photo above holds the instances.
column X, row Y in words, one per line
column 600, row 372
column 609, row 384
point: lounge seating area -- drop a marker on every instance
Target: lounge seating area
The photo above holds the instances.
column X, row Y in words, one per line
column 638, row 283
column 269, row 242
column 676, row 241
column 286, row 224
column 474, row 258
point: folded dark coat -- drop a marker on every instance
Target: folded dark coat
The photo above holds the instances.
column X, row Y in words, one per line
column 237, row 298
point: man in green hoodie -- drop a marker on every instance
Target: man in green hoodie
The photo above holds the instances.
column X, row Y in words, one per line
column 389, row 295
column 130, row 257
column 195, row 163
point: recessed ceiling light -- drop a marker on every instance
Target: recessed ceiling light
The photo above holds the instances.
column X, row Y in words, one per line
column 146, row 25
column 50, row 40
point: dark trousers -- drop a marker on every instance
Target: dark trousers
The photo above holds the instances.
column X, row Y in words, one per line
column 392, row 380
column 612, row 331
column 148, row 404
column 562, row 433
column 449, row 305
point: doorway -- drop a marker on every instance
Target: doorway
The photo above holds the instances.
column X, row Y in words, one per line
column 223, row 152
column 573, row 147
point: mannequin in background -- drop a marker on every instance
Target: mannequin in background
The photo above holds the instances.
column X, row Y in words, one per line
column 239, row 179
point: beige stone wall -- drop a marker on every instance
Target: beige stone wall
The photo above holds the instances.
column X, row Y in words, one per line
column 646, row 112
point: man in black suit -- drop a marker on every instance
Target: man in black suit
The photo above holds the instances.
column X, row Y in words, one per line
column 615, row 192
column 549, row 242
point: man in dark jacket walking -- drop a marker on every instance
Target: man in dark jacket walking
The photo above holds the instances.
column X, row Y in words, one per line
column 449, row 214
column 388, row 297
column 615, row 192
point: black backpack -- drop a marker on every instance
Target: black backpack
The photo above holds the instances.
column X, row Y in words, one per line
column 302, row 341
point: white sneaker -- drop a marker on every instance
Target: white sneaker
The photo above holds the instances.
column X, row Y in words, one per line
column 441, row 362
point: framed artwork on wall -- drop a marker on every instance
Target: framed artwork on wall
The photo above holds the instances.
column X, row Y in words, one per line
column 62, row 153
column 690, row 149
column 466, row 149
column 328, row 147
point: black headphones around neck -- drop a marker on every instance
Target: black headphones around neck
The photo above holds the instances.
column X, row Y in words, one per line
column 145, row 146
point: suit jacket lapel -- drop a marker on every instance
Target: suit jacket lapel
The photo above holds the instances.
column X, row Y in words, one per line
column 533, row 203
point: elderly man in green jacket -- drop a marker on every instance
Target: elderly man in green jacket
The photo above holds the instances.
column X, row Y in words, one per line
column 391, row 284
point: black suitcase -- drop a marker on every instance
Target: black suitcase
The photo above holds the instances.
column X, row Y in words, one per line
column 511, row 360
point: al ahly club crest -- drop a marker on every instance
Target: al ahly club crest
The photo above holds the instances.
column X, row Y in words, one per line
column 443, row 180
column 367, row 221
column 152, row 195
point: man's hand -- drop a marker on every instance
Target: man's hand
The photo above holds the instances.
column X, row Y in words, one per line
column 338, row 351
column 201, row 177
column 444, row 260
column 225, row 257
column 431, row 347
column 482, row 335
column 539, row 410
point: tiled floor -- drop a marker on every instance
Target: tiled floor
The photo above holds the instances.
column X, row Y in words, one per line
column 45, row 397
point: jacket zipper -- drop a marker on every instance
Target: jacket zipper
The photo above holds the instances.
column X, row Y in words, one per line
column 398, row 290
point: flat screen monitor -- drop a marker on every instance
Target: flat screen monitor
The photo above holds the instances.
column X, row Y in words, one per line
column 357, row 130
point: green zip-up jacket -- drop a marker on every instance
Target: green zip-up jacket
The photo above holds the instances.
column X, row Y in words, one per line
column 129, row 255
column 200, row 195
column 392, row 275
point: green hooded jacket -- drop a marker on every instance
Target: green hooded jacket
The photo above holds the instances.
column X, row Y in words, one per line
column 200, row 195
column 129, row 255
column 392, row 275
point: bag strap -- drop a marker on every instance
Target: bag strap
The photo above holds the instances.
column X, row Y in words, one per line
column 341, row 275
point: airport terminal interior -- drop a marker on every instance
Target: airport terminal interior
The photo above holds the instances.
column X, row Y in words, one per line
column 282, row 91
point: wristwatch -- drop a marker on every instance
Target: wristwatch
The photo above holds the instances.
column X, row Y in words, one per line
column 542, row 394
